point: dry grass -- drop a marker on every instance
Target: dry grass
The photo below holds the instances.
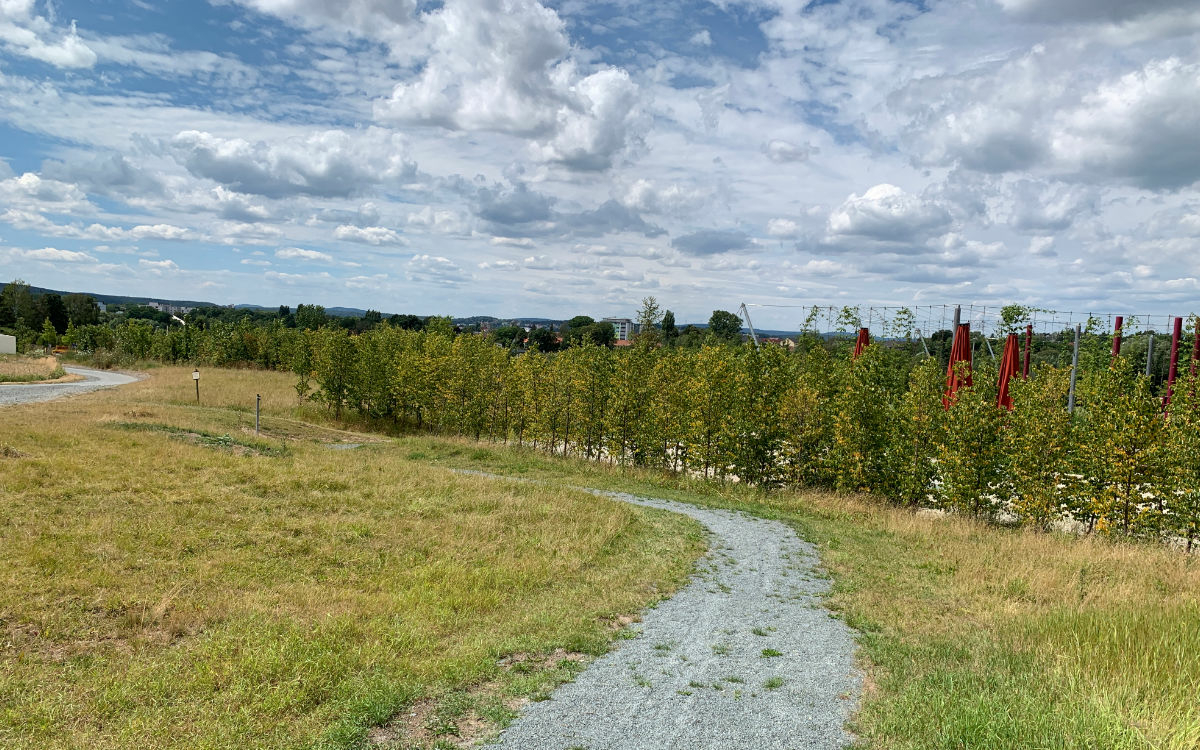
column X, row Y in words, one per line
column 33, row 369
column 166, row 593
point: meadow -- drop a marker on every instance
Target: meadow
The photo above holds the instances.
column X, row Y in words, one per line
column 168, row 579
column 173, row 580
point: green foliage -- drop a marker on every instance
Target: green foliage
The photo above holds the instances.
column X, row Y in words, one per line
column 725, row 326
column 710, row 407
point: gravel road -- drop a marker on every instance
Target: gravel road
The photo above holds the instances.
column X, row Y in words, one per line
column 16, row 393
column 744, row 656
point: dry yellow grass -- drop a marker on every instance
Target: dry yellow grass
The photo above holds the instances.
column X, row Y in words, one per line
column 32, row 369
column 158, row 592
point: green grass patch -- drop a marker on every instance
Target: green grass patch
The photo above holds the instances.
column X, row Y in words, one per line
column 207, row 439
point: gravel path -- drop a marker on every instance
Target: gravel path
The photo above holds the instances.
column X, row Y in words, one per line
column 744, row 657
column 16, row 393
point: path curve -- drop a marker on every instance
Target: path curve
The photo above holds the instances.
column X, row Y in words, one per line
column 18, row 393
column 697, row 675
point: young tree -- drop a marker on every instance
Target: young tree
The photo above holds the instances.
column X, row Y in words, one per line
column 648, row 320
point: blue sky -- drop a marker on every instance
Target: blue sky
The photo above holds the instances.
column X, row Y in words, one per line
column 509, row 157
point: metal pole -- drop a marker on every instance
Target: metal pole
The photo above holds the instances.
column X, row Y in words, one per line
column 1028, row 339
column 197, row 390
column 753, row 335
column 257, row 406
column 926, row 348
column 1074, row 373
column 1149, row 354
column 1176, row 334
column 1116, row 350
column 1196, row 348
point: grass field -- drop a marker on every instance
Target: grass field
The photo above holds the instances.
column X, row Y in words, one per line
column 973, row 636
column 16, row 368
column 170, row 580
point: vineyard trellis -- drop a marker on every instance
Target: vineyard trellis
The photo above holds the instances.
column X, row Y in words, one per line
column 806, row 414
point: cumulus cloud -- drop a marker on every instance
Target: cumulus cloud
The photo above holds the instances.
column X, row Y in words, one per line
column 1139, row 128
column 783, row 228
column 711, row 242
column 435, row 269
column 56, row 255
column 32, row 191
column 889, row 214
column 784, row 152
column 332, row 163
column 369, row 235
column 648, row 196
column 1039, row 208
column 158, row 266
column 24, row 32
column 1090, row 10
column 505, row 66
column 298, row 253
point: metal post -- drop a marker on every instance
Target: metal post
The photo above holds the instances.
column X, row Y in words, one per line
column 1116, row 350
column 987, row 341
column 257, row 406
column 957, row 317
column 196, row 377
column 1149, row 354
column 927, row 356
column 1176, row 334
column 1074, row 373
column 1196, row 348
column 1028, row 339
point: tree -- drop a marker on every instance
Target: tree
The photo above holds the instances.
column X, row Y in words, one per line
column 18, row 302
column 82, row 309
column 572, row 330
column 310, row 317
column 49, row 337
column 52, row 308
column 725, row 326
column 407, row 322
column 669, row 331
column 543, row 339
column 648, row 320
column 508, row 336
column 601, row 334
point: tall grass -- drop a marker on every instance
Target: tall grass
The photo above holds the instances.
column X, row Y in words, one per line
column 166, row 593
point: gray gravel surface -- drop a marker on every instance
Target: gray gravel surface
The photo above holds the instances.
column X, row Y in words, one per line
column 16, row 393
column 745, row 656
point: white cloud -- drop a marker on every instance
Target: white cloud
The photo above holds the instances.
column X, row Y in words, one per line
column 513, row 241
column 26, row 33
column 887, row 213
column 330, row 163
column 369, row 235
column 702, row 38
column 783, row 228
column 297, row 253
column 505, row 66
column 649, row 197
column 57, row 256
column 435, row 269
column 158, row 266
column 784, row 152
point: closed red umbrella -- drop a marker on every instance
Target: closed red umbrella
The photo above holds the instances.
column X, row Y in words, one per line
column 958, row 376
column 863, row 341
column 1008, row 371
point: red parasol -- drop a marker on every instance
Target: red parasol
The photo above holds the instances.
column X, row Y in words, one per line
column 960, row 351
column 1008, row 371
column 863, row 341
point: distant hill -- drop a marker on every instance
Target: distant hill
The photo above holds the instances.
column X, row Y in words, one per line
column 119, row 299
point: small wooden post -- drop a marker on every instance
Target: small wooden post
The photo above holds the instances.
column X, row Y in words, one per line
column 257, row 406
column 196, row 377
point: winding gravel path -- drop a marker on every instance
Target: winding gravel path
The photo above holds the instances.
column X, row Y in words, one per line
column 17, row 393
column 745, row 657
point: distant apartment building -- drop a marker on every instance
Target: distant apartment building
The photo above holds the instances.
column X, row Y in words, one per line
column 623, row 327
column 170, row 309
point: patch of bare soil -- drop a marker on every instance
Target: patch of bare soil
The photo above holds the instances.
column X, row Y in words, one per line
column 457, row 721
column 7, row 451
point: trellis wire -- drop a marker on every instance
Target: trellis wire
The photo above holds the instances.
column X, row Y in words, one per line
column 986, row 319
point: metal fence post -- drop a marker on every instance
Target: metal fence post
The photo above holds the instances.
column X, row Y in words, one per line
column 1074, row 373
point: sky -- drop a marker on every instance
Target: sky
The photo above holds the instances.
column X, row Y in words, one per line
column 510, row 157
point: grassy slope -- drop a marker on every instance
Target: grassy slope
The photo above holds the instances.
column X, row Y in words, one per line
column 163, row 589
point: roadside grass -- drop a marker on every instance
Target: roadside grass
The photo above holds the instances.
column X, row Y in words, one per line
column 158, row 592
column 973, row 636
column 19, row 368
